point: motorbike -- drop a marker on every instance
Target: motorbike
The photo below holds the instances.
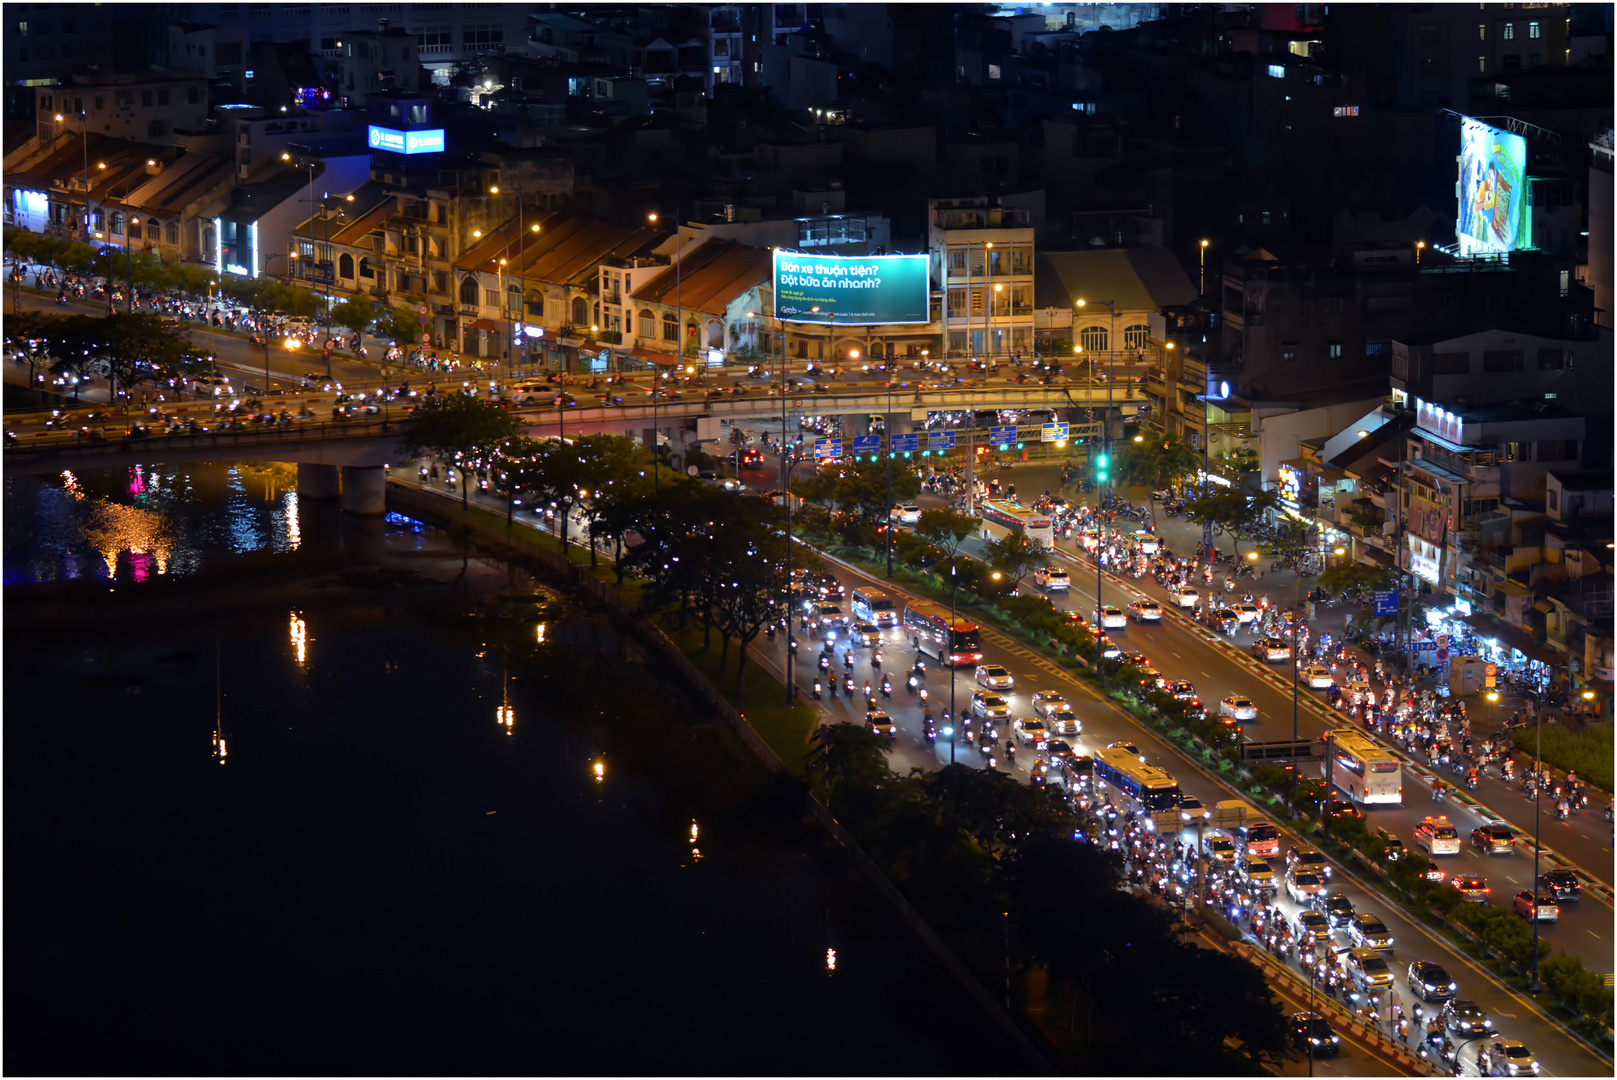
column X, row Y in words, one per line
column 817, row 689
column 848, row 685
column 887, row 688
column 875, row 659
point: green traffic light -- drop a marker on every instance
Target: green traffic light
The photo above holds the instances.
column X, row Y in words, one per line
column 1019, row 446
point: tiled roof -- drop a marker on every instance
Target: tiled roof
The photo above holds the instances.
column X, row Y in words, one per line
column 714, row 273
column 371, row 207
column 566, row 249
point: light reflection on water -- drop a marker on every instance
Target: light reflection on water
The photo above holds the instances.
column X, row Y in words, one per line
column 144, row 522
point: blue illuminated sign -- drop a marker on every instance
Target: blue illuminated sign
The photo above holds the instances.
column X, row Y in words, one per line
column 943, row 440
column 905, row 444
column 430, row 141
column 1002, row 434
column 866, row 444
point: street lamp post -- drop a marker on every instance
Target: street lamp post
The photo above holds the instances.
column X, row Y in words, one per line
column 1538, row 822
column 954, row 585
column 886, row 427
column 1102, row 479
column 1201, row 276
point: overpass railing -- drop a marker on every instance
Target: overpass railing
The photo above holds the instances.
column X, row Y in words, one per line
column 69, row 445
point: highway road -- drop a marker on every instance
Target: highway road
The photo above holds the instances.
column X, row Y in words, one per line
column 1559, row 1052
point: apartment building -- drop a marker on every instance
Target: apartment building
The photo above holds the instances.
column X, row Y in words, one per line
column 982, row 250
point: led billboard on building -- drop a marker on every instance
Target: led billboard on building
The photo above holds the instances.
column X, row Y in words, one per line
column 1492, row 190
column 430, row 141
column 852, row 290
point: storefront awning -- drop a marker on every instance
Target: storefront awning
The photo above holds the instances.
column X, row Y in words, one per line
column 647, row 356
column 1489, row 627
column 482, row 324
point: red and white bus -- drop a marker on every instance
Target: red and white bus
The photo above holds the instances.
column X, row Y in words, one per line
column 954, row 640
column 1002, row 517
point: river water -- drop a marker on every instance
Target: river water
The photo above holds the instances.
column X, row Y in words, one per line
column 375, row 873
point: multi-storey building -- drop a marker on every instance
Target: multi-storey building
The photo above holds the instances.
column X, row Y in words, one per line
column 148, row 108
column 982, row 261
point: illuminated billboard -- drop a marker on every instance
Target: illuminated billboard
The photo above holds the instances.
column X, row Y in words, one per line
column 852, row 290
column 1492, row 190
column 430, row 141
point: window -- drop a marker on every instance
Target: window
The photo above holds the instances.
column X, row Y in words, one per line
column 1532, row 30
column 957, row 261
column 1482, row 64
column 1135, row 335
column 1345, row 110
column 1288, row 351
column 171, row 234
column 491, row 297
column 1094, row 339
column 482, row 37
column 156, row 129
column 993, row 69
column 670, row 327
column 1482, row 31
column 1553, row 500
column 227, row 53
column 22, row 29
column 648, row 323
column 1551, row 360
column 581, row 311
column 1510, row 31
column 1333, row 350
column 162, row 97
column 1566, row 281
column 1277, row 71
column 1333, row 304
column 1451, row 363
column 145, row 99
column 468, row 291
column 345, row 266
column 1496, row 361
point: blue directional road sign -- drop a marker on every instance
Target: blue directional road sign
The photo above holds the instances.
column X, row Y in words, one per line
column 827, row 448
column 906, row 443
column 1386, row 602
column 866, row 444
column 942, row 440
column 1052, row 432
column 1006, row 434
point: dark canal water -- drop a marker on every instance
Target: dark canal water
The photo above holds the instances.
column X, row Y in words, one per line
column 380, row 877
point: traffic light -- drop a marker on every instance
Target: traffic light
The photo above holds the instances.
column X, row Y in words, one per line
column 1100, row 467
column 1019, row 446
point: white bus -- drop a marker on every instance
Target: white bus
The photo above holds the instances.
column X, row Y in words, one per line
column 1152, row 788
column 874, row 606
column 1364, row 769
column 1002, row 517
column 953, row 639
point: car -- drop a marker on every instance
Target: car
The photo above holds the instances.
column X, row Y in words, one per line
column 1046, row 702
column 1303, row 885
column 906, row 514
column 1147, row 543
column 1182, row 690
column 1335, row 907
column 1195, row 710
column 1108, row 648
column 864, row 633
column 1368, row 932
column 1111, row 618
column 1311, row 1033
column 1461, row 1016
column 1032, row 732
column 829, row 617
column 1392, row 848
column 1309, row 860
column 752, row 458
column 1560, row 885
column 1534, row 908
column 1237, row 707
column 1367, row 969
column 1318, row 677
column 1191, row 808
column 880, row 723
column 1435, row 836
column 994, row 677
column 1057, row 750
column 1222, row 849
column 1185, row 596
column 1145, row 611
column 1246, row 613
column 1506, row 1057
column 1064, row 721
column 1494, row 839
column 1223, row 620
column 1312, row 925
column 1257, row 872
column 1473, row 888
column 1338, row 810
column 1271, row 649
column 1152, row 679
column 1138, row 659
column 986, row 705
column 1431, row 982
column 1052, row 579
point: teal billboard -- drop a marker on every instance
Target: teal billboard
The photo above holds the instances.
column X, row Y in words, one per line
column 852, row 290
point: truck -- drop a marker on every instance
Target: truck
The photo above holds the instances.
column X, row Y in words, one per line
column 1231, row 814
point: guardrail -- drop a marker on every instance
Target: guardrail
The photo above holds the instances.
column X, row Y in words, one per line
column 255, row 435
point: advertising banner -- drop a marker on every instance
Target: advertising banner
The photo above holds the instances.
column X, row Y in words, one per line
column 846, row 290
column 1493, row 212
column 429, row 141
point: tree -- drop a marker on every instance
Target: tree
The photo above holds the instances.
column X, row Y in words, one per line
column 751, row 579
column 1231, row 512
column 30, row 333
column 1346, row 579
column 355, row 313
column 457, row 425
column 612, row 465
column 1155, row 461
column 946, row 528
column 1291, row 543
column 400, row 325
column 1014, row 555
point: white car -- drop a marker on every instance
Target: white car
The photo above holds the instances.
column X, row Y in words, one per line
column 1237, row 707
column 1319, row 677
column 1302, row 886
column 906, row 513
column 1272, row 649
column 994, row 677
column 1111, row 618
column 1032, row 732
column 1046, row 702
column 1147, row 543
column 1145, row 611
column 1186, row 596
column 1245, row 613
column 1063, row 721
column 1052, row 579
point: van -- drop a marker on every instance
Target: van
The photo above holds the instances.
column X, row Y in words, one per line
column 874, row 606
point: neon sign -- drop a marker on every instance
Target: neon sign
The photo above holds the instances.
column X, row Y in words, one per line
column 429, row 141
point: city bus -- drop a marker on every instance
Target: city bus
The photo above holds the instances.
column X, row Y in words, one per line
column 1363, row 768
column 1152, row 788
column 1002, row 517
column 954, row 640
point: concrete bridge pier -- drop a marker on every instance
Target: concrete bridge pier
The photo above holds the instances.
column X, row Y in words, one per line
column 364, row 490
column 317, row 481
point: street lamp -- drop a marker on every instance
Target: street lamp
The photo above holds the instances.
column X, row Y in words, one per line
column 1106, row 442
column 1201, row 287
column 954, row 586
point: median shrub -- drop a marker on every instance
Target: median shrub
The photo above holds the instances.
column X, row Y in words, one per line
column 1577, row 987
column 1500, row 930
column 1587, row 752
